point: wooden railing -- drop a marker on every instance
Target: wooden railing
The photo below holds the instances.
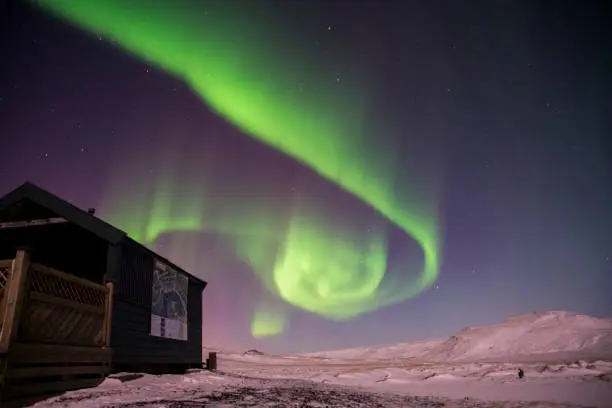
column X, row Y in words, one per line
column 5, row 273
column 51, row 307
column 5, row 270
column 55, row 332
column 64, row 309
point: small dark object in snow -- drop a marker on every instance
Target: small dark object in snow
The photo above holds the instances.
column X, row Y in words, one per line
column 125, row 377
column 521, row 373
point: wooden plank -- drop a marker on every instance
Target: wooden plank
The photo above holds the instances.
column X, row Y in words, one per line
column 3, row 369
column 108, row 319
column 71, row 278
column 14, row 299
column 69, row 342
column 19, row 390
column 52, row 353
column 54, row 300
column 32, row 223
column 48, row 371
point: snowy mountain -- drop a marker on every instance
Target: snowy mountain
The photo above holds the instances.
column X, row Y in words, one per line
column 539, row 336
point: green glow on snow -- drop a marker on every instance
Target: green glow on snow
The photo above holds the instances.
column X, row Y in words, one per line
column 239, row 73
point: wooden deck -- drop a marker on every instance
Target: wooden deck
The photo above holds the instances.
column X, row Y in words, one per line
column 55, row 329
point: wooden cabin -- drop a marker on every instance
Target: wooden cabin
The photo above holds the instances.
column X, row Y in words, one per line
column 80, row 299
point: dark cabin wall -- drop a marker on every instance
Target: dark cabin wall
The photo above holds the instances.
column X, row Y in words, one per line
column 130, row 339
column 65, row 247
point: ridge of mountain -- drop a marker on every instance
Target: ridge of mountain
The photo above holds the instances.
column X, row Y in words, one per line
column 542, row 335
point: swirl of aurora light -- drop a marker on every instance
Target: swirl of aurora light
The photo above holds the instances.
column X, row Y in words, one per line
column 238, row 74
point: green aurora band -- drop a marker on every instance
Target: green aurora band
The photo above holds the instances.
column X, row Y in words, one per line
column 238, row 74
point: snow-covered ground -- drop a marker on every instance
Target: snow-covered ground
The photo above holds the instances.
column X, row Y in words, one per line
column 265, row 381
column 476, row 368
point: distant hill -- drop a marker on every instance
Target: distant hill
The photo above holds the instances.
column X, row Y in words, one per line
column 539, row 336
column 253, row 352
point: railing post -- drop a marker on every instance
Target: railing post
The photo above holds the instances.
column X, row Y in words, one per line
column 15, row 295
column 108, row 313
column 211, row 361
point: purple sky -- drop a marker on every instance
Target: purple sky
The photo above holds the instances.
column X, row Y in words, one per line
column 519, row 93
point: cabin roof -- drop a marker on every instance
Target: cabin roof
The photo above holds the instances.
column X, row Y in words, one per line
column 29, row 192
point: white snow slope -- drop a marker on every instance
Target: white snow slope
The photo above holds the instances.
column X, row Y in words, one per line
column 540, row 336
column 476, row 368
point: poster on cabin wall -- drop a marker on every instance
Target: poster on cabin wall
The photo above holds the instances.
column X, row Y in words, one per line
column 169, row 302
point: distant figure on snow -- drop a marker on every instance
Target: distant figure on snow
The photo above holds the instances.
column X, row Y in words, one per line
column 521, row 373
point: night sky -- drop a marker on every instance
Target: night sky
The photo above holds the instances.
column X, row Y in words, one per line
column 293, row 152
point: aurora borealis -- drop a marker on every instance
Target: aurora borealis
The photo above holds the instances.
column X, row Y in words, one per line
column 315, row 269
column 311, row 166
